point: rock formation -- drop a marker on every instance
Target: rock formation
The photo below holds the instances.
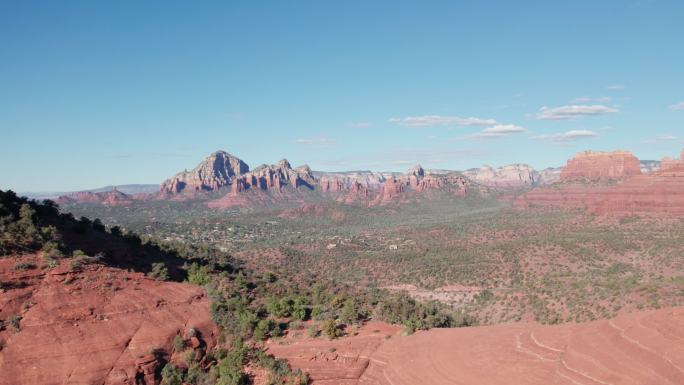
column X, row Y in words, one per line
column 284, row 183
column 638, row 348
column 515, row 175
column 214, row 172
column 601, row 166
column 549, row 175
column 658, row 193
column 94, row 325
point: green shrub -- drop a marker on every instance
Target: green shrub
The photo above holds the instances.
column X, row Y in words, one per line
column 178, row 343
column 159, row 271
column 331, row 329
column 15, row 321
column 171, row 375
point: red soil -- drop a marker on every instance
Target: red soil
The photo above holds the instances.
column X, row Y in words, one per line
column 94, row 326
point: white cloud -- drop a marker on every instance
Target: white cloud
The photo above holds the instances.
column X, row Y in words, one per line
column 498, row 131
column 317, row 142
column 616, row 87
column 666, row 138
column 573, row 111
column 677, row 107
column 589, row 99
column 438, row 120
column 359, row 125
column 568, row 136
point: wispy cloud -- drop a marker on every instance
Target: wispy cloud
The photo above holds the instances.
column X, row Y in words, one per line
column 317, row 142
column 677, row 107
column 568, row 136
column 616, row 87
column 666, row 138
column 359, row 125
column 498, row 131
column 589, row 99
column 439, row 120
column 573, row 111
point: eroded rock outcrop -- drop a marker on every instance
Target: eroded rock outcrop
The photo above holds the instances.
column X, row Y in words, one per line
column 515, row 175
column 214, row 172
column 94, row 325
column 600, row 166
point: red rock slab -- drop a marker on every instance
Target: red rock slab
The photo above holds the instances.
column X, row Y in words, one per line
column 95, row 327
column 645, row 348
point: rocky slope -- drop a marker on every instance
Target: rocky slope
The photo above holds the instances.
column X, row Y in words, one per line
column 645, row 348
column 215, row 171
column 94, row 324
column 599, row 166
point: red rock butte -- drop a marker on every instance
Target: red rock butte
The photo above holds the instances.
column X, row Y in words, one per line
column 657, row 193
column 595, row 166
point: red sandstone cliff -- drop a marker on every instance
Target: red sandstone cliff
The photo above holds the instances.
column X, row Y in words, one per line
column 595, row 166
column 657, row 193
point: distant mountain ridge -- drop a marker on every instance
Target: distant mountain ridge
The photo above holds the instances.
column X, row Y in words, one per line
column 222, row 171
column 128, row 189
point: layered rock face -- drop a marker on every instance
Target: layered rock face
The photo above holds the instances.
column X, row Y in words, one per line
column 601, row 166
column 418, row 180
column 95, row 325
column 549, row 175
column 657, row 193
column 274, row 177
column 289, row 184
column 214, row 172
column 515, row 175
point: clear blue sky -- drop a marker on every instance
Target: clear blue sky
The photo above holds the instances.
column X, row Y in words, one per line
column 95, row 93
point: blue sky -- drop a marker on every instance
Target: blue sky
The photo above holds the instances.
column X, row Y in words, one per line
column 98, row 93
